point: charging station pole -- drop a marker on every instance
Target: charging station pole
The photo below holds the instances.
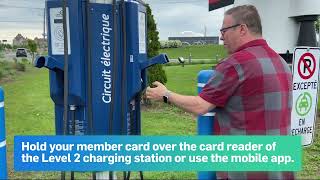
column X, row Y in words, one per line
column 205, row 122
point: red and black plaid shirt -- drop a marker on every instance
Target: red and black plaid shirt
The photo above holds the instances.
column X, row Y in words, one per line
column 252, row 91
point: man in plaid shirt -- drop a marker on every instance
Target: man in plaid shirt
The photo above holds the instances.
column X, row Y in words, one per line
column 250, row 90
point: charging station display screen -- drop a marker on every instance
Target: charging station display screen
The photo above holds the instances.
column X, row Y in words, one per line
column 142, row 32
column 57, row 36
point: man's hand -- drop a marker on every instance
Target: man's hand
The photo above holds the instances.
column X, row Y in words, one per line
column 157, row 92
column 194, row 104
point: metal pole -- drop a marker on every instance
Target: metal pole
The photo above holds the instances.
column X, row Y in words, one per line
column 44, row 23
column 318, row 32
column 73, row 126
column 66, row 71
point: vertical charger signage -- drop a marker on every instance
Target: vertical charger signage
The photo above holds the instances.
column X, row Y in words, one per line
column 57, row 36
column 142, row 32
column 102, row 33
column 305, row 93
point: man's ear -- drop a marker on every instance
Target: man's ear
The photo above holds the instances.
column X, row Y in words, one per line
column 243, row 29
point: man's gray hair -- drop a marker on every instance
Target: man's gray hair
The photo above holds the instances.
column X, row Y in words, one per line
column 246, row 14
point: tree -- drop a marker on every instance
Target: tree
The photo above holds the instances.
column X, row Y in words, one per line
column 317, row 25
column 155, row 73
column 32, row 46
column 7, row 46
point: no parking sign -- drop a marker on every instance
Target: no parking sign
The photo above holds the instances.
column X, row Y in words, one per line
column 306, row 65
column 305, row 92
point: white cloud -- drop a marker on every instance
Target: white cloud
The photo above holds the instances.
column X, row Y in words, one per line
column 190, row 34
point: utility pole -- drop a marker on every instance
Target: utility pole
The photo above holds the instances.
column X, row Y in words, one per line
column 44, row 24
column 318, row 32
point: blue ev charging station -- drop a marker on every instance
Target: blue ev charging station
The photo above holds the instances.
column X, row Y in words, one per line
column 97, row 58
column 106, row 60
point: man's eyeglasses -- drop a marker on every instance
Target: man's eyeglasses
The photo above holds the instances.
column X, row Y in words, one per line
column 224, row 30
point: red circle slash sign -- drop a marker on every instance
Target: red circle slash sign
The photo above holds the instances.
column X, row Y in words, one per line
column 305, row 71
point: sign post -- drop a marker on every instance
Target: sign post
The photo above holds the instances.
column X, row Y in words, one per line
column 305, row 93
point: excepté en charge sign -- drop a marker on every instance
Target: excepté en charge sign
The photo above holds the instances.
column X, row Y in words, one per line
column 305, row 92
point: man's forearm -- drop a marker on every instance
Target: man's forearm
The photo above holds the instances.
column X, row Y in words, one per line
column 193, row 104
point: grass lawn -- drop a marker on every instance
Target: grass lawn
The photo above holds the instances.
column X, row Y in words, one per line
column 197, row 51
column 29, row 111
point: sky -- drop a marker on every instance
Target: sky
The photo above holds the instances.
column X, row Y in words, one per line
column 21, row 16
column 173, row 18
column 185, row 17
